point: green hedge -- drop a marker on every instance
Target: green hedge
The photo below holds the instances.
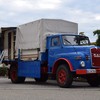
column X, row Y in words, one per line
column 3, row 71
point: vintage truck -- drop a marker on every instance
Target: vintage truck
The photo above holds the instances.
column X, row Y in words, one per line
column 50, row 48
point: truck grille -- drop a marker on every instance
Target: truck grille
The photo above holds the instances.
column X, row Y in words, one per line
column 95, row 57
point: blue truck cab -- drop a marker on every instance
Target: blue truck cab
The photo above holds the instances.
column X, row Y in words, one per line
column 66, row 56
column 72, row 55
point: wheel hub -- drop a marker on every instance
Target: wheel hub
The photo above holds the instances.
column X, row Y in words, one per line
column 62, row 76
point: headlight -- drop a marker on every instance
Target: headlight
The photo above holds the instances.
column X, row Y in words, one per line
column 82, row 63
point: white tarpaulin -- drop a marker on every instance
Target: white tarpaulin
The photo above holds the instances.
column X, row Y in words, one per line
column 31, row 35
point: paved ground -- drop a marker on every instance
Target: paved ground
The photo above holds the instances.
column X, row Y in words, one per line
column 48, row 91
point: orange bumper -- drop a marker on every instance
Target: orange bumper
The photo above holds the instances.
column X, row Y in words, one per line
column 87, row 71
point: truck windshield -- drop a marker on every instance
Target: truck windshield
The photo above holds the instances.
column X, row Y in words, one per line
column 75, row 40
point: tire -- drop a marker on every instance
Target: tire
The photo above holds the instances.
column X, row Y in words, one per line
column 14, row 77
column 64, row 76
column 93, row 81
column 43, row 78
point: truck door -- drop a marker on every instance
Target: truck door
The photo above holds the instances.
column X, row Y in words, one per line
column 54, row 50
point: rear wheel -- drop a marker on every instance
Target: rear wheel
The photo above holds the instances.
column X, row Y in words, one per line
column 64, row 76
column 94, row 81
column 14, row 77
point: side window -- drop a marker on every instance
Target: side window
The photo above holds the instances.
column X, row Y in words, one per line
column 55, row 41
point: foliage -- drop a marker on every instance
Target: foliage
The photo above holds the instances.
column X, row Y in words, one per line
column 81, row 33
column 97, row 32
column 98, row 42
column 93, row 43
column 3, row 71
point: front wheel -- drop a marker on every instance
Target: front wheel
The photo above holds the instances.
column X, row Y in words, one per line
column 14, row 77
column 64, row 76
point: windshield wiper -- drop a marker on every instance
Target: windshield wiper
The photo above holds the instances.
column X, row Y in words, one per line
column 67, row 41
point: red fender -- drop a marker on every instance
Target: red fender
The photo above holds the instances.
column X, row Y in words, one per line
column 63, row 59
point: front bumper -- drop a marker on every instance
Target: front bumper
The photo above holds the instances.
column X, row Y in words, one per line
column 87, row 71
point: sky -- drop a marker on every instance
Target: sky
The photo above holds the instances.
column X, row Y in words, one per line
column 84, row 12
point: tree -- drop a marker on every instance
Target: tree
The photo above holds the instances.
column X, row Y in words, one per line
column 97, row 32
column 81, row 33
column 93, row 43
